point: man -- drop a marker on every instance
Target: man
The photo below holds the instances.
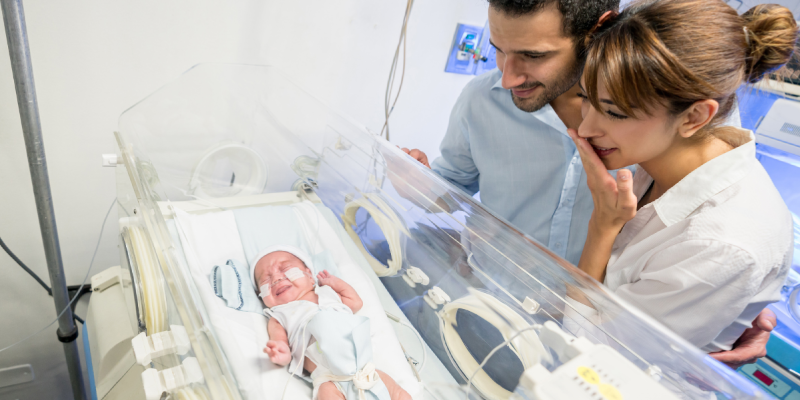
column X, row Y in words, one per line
column 507, row 136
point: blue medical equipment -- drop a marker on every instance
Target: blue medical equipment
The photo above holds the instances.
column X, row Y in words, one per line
column 775, row 118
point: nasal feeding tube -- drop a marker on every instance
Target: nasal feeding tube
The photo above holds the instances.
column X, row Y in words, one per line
column 292, row 275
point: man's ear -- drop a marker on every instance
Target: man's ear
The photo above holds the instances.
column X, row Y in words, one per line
column 603, row 19
column 697, row 116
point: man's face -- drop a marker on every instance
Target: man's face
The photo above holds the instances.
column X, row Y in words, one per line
column 537, row 60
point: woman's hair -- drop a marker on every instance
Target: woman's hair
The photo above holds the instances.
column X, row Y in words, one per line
column 677, row 52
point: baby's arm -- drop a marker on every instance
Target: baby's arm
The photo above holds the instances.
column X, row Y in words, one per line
column 349, row 296
column 278, row 346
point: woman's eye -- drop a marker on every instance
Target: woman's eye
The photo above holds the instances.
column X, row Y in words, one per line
column 583, row 97
column 614, row 115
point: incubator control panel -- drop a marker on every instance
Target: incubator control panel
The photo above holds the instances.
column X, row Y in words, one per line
column 590, row 371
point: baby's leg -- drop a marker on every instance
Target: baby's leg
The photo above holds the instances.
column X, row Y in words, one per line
column 309, row 365
column 395, row 391
column 329, row 391
column 326, row 391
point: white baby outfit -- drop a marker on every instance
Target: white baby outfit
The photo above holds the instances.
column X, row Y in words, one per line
column 336, row 327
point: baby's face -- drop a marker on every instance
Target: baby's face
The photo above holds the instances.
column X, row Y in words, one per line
column 272, row 268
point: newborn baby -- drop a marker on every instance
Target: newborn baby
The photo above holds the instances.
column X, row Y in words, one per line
column 315, row 324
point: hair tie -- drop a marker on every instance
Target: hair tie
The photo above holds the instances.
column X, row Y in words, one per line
column 747, row 36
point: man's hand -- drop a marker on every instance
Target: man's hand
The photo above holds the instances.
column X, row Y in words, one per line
column 418, row 155
column 278, row 352
column 752, row 345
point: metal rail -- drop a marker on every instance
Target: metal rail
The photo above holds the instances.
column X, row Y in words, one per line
column 19, row 52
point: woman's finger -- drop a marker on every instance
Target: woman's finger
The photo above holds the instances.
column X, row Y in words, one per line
column 626, row 199
column 591, row 161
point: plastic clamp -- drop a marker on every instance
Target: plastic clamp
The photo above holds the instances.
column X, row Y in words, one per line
column 531, row 306
column 414, row 276
column 110, row 160
column 174, row 341
column 110, row 277
column 67, row 337
column 436, row 297
column 157, row 382
column 654, row 372
column 562, row 343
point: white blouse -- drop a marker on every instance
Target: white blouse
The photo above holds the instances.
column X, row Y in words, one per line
column 708, row 255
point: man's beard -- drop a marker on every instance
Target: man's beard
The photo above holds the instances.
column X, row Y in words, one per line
column 551, row 92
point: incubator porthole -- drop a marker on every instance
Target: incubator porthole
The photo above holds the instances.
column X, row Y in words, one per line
column 380, row 231
column 228, row 170
column 473, row 326
column 372, row 237
column 480, row 338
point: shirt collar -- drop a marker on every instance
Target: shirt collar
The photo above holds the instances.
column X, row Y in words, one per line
column 499, row 83
column 546, row 114
column 701, row 184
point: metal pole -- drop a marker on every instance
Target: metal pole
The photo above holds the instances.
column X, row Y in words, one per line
column 17, row 36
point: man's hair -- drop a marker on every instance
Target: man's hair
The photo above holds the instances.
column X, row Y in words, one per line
column 579, row 16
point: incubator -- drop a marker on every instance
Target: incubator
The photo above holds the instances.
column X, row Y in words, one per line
column 462, row 305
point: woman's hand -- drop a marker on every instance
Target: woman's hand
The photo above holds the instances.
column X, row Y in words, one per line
column 614, row 205
column 614, row 201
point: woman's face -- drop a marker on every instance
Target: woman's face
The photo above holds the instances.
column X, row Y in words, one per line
column 272, row 269
column 621, row 140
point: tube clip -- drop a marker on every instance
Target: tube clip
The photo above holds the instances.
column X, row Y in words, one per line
column 156, row 383
column 414, row 276
column 174, row 341
column 436, row 297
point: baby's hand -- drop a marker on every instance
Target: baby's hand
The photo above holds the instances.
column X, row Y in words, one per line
column 325, row 278
column 278, row 352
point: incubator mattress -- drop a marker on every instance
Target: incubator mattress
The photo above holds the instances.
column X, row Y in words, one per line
column 214, row 238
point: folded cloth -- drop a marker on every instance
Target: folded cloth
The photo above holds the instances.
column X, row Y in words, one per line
column 231, row 284
column 344, row 341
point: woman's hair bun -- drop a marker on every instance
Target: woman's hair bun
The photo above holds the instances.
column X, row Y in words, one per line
column 771, row 32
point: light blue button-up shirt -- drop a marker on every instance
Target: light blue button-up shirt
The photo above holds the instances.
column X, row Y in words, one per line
column 525, row 166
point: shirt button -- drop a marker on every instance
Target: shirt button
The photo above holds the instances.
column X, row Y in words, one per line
column 558, row 245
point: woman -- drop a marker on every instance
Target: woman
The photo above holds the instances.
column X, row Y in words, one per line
column 699, row 238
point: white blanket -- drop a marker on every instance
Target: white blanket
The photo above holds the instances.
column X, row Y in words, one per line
column 211, row 239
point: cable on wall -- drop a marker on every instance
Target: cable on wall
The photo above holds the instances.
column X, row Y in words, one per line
column 79, row 289
column 388, row 104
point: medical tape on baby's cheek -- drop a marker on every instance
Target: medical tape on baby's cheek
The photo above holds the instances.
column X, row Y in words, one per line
column 294, row 274
column 263, row 291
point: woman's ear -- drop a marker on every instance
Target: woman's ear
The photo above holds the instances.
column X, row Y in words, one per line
column 697, row 116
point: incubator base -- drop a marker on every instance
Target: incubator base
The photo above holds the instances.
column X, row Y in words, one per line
column 773, row 378
column 108, row 331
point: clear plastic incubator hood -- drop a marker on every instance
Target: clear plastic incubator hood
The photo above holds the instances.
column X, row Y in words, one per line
column 461, row 304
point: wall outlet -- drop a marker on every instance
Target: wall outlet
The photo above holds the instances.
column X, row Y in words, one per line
column 471, row 53
column 465, row 40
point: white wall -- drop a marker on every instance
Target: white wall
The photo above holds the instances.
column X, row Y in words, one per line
column 93, row 59
column 744, row 5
